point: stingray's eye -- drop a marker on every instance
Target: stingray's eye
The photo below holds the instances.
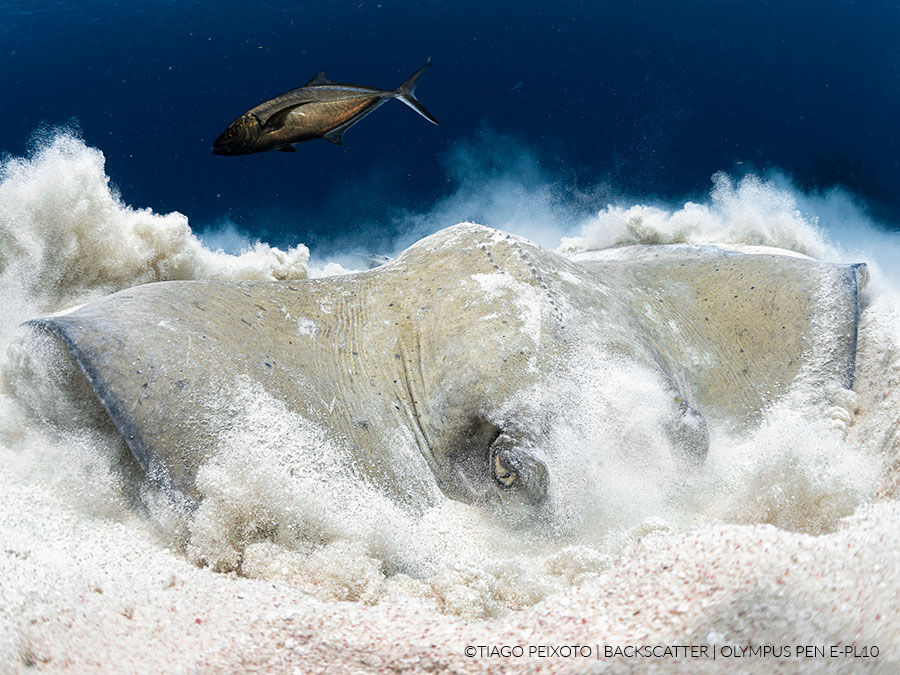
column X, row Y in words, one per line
column 521, row 476
column 503, row 474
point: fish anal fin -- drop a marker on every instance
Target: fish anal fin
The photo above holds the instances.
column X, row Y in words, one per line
column 287, row 148
column 335, row 135
column 318, row 78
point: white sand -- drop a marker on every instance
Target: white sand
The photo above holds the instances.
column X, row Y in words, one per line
column 107, row 597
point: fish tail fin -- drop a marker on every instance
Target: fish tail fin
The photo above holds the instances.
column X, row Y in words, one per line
column 406, row 93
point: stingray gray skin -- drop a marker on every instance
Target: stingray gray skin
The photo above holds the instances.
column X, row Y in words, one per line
column 454, row 343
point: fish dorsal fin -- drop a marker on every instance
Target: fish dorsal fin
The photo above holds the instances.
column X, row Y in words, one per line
column 279, row 119
column 318, row 78
column 336, row 135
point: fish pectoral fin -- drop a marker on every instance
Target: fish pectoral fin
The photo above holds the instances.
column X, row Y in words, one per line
column 287, row 148
column 279, row 119
column 336, row 135
column 318, row 78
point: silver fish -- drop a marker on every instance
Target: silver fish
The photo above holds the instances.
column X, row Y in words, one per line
column 319, row 109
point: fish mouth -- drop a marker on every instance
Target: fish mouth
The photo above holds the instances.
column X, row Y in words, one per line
column 221, row 148
column 225, row 149
column 229, row 146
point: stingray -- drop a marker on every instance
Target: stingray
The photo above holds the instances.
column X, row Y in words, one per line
column 464, row 350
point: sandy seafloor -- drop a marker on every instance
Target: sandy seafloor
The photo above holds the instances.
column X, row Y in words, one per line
column 789, row 538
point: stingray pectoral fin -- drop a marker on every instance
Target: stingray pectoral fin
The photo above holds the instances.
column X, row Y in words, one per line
column 97, row 352
column 736, row 332
column 164, row 360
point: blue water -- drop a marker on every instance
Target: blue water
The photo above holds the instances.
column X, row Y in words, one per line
column 601, row 101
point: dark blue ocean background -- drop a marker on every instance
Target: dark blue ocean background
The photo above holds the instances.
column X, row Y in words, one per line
column 590, row 102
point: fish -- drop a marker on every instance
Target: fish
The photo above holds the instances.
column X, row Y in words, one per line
column 319, row 109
